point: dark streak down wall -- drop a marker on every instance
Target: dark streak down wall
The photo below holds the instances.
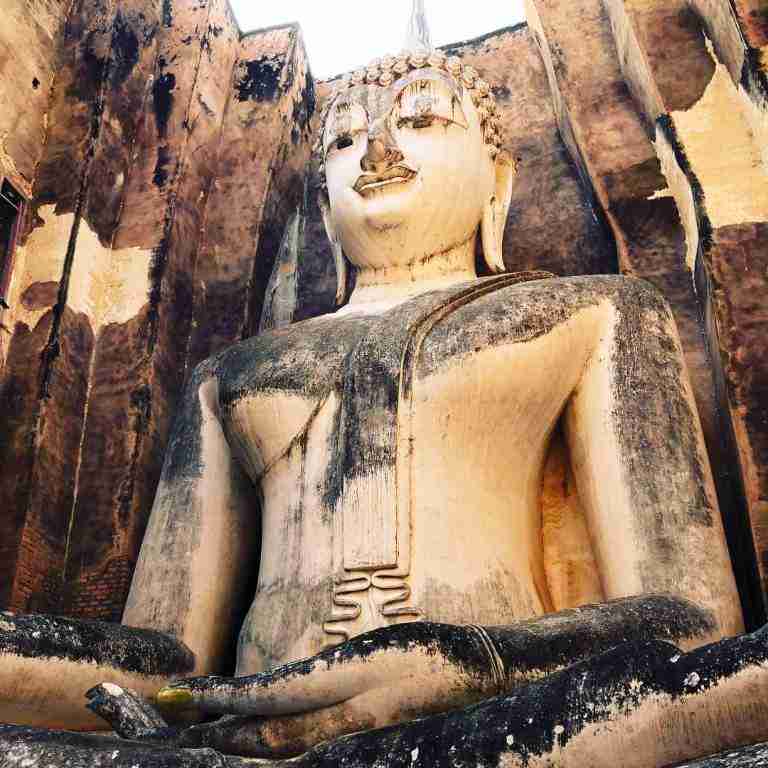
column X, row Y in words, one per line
column 169, row 152
column 170, row 141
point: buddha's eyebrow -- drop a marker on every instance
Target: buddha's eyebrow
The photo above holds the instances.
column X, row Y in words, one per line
column 343, row 108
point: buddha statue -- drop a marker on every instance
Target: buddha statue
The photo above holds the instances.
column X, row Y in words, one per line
column 398, row 446
column 380, row 474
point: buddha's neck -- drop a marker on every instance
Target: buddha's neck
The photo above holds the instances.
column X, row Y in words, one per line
column 392, row 285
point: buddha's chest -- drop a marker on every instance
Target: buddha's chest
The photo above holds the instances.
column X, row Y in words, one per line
column 408, row 486
column 429, row 509
column 438, row 535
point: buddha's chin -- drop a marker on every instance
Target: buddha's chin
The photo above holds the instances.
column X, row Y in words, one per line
column 388, row 208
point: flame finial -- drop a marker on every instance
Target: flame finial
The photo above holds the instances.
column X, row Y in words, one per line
column 417, row 38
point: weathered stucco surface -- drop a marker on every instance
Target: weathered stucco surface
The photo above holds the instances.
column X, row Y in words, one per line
column 663, row 107
column 140, row 205
column 162, row 153
column 34, row 27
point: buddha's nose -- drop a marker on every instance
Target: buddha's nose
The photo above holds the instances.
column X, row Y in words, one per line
column 382, row 151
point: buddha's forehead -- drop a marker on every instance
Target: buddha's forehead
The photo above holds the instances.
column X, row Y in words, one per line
column 375, row 101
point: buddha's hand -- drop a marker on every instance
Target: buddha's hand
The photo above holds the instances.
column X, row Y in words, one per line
column 384, row 677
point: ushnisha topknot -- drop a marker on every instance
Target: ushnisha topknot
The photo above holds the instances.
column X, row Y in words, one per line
column 385, row 71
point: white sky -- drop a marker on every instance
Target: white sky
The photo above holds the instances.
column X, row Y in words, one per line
column 342, row 34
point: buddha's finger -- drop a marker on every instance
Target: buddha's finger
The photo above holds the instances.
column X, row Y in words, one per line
column 291, row 735
column 435, row 655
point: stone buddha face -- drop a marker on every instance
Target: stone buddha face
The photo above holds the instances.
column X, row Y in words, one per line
column 413, row 169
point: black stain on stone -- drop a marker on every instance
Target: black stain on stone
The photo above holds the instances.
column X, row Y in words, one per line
column 141, row 412
column 754, row 756
column 303, row 110
column 35, row 83
column 160, row 176
column 375, row 371
column 204, row 106
column 157, row 269
column 545, row 715
column 183, row 465
column 90, row 71
column 730, row 487
column 141, row 402
column 167, row 13
column 654, row 421
column 162, row 100
column 259, row 79
column 462, row 646
column 149, row 32
column 362, row 358
column 125, row 50
column 460, row 48
column 88, row 88
column 540, row 716
column 754, row 78
column 183, row 456
column 305, row 357
column 554, row 641
column 667, row 127
column 23, row 747
column 51, row 351
column 535, row 647
column 655, row 427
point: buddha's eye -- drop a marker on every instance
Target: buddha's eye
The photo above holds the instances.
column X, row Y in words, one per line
column 419, row 121
column 347, row 121
column 340, row 143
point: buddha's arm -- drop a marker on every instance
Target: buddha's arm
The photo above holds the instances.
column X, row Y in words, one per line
column 188, row 584
column 641, row 466
column 202, row 535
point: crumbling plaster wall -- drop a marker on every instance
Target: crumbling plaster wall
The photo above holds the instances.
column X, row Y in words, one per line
column 158, row 155
column 34, row 27
column 731, row 223
column 173, row 152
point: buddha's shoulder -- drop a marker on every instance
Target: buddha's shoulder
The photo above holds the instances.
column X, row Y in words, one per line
column 306, row 357
column 540, row 298
column 510, row 311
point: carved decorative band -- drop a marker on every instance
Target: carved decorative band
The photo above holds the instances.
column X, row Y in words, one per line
column 396, row 604
column 346, row 608
column 350, row 592
column 496, row 664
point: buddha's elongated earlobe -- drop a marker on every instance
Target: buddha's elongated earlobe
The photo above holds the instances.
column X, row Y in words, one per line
column 338, row 252
column 495, row 213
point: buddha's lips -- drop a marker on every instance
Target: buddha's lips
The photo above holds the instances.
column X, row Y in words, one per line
column 397, row 174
